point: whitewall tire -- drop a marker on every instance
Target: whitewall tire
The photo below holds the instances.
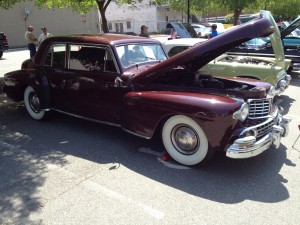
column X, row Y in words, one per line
column 32, row 104
column 184, row 140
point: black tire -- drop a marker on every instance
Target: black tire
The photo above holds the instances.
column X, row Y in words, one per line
column 185, row 141
column 32, row 104
column 1, row 54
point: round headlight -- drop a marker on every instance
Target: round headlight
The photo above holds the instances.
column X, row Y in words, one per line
column 244, row 112
column 251, row 132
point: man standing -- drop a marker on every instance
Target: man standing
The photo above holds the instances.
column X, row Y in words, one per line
column 44, row 35
column 31, row 39
column 144, row 31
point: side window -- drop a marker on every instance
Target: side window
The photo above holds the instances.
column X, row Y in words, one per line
column 86, row 58
column 91, row 58
column 56, row 56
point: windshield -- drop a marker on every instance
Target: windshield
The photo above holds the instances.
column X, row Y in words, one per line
column 133, row 54
column 256, row 42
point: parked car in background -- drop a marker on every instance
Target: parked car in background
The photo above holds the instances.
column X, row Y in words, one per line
column 291, row 45
column 128, row 82
column 289, row 36
column 200, row 29
column 175, row 46
column 3, row 43
column 203, row 30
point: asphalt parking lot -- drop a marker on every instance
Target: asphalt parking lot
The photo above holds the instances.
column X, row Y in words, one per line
column 70, row 171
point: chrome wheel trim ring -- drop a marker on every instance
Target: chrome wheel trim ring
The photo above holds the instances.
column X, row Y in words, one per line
column 185, row 139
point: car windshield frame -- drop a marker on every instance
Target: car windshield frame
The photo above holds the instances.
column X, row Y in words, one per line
column 140, row 53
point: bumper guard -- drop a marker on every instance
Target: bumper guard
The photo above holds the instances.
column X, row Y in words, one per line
column 247, row 147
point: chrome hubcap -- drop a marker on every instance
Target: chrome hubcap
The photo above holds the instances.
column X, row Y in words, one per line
column 34, row 102
column 185, row 139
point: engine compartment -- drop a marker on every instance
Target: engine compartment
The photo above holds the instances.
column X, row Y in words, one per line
column 246, row 60
column 199, row 81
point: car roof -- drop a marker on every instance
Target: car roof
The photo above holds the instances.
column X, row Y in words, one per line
column 105, row 39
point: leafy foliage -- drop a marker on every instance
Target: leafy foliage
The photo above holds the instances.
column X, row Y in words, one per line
column 7, row 4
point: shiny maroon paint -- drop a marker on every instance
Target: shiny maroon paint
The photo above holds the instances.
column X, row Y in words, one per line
column 141, row 106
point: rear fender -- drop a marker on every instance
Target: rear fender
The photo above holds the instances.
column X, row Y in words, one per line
column 39, row 82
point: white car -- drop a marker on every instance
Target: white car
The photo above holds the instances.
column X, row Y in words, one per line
column 175, row 46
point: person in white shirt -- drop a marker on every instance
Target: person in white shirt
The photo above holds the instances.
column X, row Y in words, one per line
column 31, row 40
column 44, row 35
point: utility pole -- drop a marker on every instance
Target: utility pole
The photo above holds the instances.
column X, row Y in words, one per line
column 188, row 12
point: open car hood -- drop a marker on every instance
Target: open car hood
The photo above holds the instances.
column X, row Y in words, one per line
column 194, row 58
column 290, row 28
column 275, row 39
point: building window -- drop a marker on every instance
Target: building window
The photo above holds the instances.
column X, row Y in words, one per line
column 110, row 26
column 119, row 27
column 128, row 24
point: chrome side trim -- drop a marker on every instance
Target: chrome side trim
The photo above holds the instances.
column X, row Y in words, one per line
column 135, row 134
column 85, row 118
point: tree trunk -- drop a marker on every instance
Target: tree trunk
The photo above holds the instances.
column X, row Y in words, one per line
column 102, row 8
column 236, row 16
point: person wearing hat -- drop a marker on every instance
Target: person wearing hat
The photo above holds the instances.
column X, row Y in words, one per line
column 44, row 35
column 31, row 39
column 144, row 31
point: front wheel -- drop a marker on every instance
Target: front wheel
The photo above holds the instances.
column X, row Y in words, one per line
column 184, row 140
column 1, row 54
column 32, row 104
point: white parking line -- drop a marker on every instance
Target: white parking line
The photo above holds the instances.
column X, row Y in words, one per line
column 112, row 194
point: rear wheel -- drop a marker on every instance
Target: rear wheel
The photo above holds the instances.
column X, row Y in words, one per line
column 1, row 54
column 32, row 104
column 184, row 140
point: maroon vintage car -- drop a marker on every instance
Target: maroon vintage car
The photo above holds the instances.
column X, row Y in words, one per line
column 129, row 82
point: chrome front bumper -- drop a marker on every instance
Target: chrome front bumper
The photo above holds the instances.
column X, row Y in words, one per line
column 247, row 147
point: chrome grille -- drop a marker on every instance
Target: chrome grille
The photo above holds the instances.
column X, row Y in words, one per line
column 263, row 126
column 264, row 129
column 259, row 108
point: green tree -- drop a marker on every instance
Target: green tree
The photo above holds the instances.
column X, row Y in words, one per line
column 6, row 4
column 236, row 6
column 282, row 10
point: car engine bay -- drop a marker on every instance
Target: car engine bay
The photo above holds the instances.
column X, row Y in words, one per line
column 246, row 60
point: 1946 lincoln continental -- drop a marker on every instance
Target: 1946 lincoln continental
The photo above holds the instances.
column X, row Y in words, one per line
column 129, row 82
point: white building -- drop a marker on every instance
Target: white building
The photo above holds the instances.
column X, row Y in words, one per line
column 128, row 18
column 121, row 18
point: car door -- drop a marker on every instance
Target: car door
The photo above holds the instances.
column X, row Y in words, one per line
column 89, row 81
column 55, row 68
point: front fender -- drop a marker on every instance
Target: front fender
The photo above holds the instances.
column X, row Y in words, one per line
column 143, row 112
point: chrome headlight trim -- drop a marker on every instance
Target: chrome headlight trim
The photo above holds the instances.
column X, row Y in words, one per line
column 272, row 91
column 242, row 113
